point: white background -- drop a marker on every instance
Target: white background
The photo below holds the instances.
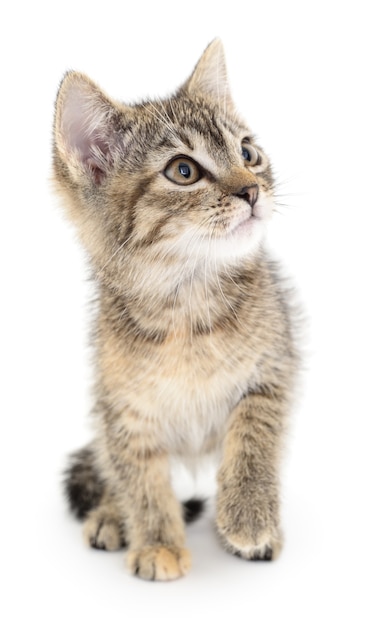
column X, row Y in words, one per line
column 307, row 76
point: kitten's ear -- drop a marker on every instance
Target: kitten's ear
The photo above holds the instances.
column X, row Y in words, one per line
column 86, row 128
column 209, row 77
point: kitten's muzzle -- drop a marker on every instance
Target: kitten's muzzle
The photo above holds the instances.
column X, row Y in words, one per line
column 250, row 194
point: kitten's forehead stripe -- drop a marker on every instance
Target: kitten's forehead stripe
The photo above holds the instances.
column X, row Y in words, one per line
column 234, row 128
column 198, row 117
column 167, row 141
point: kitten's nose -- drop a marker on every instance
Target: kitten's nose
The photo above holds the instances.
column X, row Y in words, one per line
column 250, row 194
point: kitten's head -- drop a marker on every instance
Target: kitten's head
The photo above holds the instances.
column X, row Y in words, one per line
column 175, row 179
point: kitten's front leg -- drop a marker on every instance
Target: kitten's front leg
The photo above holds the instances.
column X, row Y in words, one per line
column 155, row 526
column 248, row 500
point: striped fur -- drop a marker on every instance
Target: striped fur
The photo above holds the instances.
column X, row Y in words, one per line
column 194, row 350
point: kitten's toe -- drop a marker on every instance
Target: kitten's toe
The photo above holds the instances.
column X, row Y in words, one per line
column 264, row 553
column 159, row 562
column 103, row 533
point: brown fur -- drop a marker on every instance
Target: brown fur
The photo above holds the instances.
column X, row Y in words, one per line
column 194, row 350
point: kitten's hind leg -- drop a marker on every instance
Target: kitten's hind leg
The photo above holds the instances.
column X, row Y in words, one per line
column 90, row 499
column 104, row 526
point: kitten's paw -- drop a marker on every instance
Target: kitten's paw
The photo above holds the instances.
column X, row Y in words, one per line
column 249, row 531
column 103, row 532
column 159, row 562
column 266, row 546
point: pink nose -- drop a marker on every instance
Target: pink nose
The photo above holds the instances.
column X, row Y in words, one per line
column 250, row 194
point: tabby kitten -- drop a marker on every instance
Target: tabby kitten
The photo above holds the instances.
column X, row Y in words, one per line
column 193, row 344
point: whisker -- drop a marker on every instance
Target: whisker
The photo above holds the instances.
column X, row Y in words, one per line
column 186, row 275
column 208, row 259
column 161, row 117
column 225, row 299
column 166, row 115
column 197, row 258
column 181, row 280
column 123, row 244
column 173, row 112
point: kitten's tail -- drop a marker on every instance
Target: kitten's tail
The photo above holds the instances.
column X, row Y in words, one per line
column 84, row 487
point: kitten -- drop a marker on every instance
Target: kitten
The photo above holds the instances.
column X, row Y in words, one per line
column 193, row 343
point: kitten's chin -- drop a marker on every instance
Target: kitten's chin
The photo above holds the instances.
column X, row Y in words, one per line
column 244, row 239
column 246, row 232
column 237, row 243
column 246, row 227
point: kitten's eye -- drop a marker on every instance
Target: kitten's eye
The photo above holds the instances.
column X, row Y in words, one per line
column 182, row 171
column 250, row 154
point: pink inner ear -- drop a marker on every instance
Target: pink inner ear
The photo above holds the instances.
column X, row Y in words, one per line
column 86, row 128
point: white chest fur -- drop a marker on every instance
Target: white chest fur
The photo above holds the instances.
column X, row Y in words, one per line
column 186, row 391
